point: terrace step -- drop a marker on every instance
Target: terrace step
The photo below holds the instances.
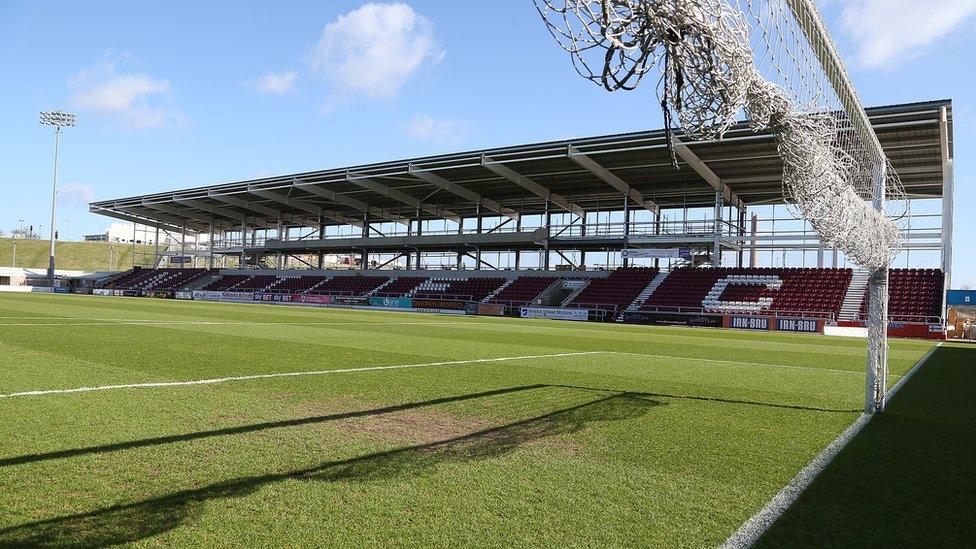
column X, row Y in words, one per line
column 647, row 291
column 492, row 295
column 372, row 292
column 851, row 307
column 573, row 295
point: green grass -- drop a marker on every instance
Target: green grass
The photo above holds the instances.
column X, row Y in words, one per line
column 72, row 256
column 674, row 445
column 908, row 480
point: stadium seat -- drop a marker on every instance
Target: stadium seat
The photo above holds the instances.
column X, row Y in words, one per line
column 615, row 292
column 523, row 290
column 806, row 291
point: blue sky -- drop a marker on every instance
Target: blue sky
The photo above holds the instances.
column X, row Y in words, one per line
column 179, row 94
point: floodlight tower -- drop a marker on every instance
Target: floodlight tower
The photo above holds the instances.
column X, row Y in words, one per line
column 59, row 120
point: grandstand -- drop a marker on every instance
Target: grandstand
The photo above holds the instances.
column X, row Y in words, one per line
column 604, row 225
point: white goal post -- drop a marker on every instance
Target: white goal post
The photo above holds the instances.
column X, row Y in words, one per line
column 773, row 62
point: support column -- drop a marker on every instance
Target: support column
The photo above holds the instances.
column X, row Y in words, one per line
column 518, row 228
column 182, row 246
column 626, row 261
column 547, row 218
column 420, row 232
column 477, row 257
column 754, row 251
column 365, row 256
column 717, row 245
column 582, row 261
column 210, row 247
column 156, row 250
column 948, row 189
column 741, row 229
column 320, row 257
column 243, row 241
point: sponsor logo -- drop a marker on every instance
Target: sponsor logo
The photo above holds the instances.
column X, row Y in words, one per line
column 391, row 302
column 749, row 322
column 554, row 313
column 276, row 298
column 308, row 298
column 673, row 319
column 439, row 304
column 806, row 325
column 664, row 253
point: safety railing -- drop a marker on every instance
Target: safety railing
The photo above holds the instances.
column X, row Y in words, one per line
column 827, row 315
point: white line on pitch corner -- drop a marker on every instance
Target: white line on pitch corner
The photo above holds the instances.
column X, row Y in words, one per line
column 217, row 380
column 753, row 529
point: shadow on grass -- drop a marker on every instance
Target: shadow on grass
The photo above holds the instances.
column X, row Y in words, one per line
column 721, row 400
column 139, row 520
column 908, row 479
column 243, row 429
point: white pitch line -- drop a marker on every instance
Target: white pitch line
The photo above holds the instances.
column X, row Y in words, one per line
column 137, row 322
column 213, row 381
column 753, row 529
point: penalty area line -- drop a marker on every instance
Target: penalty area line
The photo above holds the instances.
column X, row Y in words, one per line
column 217, row 380
column 753, row 529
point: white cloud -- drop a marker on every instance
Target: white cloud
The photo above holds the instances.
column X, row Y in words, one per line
column 135, row 99
column 276, row 83
column 888, row 31
column 75, row 194
column 375, row 49
column 438, row 130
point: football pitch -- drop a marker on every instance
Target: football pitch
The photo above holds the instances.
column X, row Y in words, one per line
column 194, row 423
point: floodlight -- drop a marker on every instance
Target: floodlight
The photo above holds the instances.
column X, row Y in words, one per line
column 58, row 118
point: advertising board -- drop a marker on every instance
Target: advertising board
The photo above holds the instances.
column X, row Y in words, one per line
column 439, row 304
column 346, row 300
column 394, row 302
column 311, row 299
column 184, row 295
column 662, row 253
column 103, row 291
column 272, row 298
column 554, row 313
column 207, row 295
column 673, row 319
column 961, row 298
column 749, row 322
column 491, row 309
column 237, row 296
column 804, row 325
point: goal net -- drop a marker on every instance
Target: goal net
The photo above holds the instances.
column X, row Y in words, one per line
column 772, row 63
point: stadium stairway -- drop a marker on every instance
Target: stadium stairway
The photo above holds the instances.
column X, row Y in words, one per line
column 379, row 288
column 647, row 292
column 498, row 290
column 569, row 299
column 851, row 307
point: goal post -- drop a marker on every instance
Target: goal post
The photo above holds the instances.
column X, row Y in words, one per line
column 774, row 61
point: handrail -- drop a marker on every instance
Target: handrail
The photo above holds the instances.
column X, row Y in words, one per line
column 828, row 315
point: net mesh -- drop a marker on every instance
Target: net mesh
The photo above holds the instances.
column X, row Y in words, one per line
column 718, row 59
